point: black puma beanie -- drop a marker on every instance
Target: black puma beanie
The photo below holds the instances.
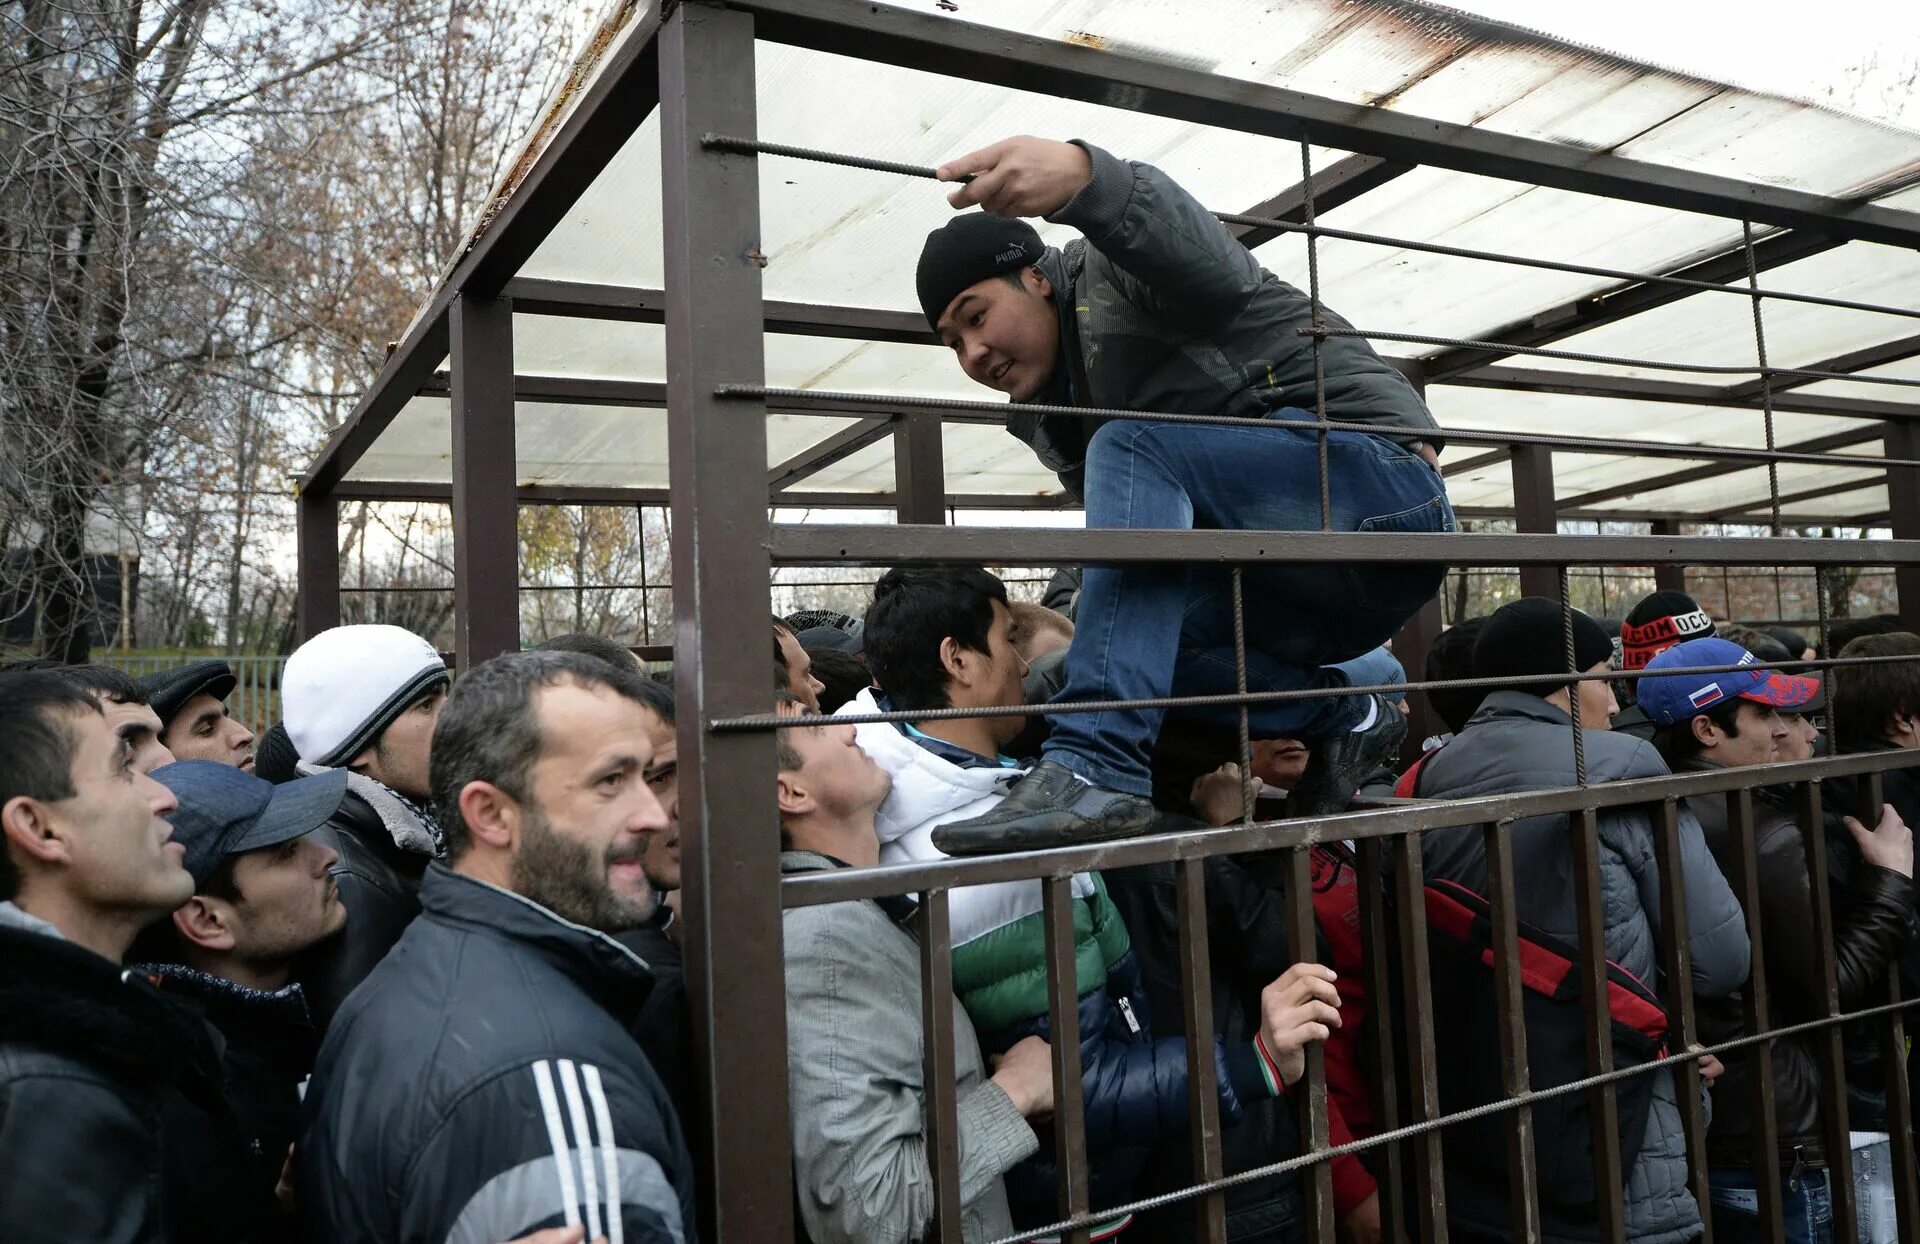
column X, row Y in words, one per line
column 967, row 250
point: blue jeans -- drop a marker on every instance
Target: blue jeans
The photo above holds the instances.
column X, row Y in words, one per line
column 1146, row 632
column 1873, row 1213
column 1805, row 1207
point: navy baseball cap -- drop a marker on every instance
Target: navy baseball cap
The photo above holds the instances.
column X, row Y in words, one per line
column 224, row 811
column 1681, row 697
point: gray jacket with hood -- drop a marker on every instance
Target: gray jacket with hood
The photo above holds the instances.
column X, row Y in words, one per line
column 1162, row 309
column 1519, row 742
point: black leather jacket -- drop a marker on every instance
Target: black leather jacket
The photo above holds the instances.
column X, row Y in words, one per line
column 114, row 1123
column 379, row 886
column 1248, row 942
column 1872, row 924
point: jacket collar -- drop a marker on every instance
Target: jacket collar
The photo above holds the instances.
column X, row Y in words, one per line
column 898, row 907
column 613, row 974
column 64, row 998
column 1518, row 706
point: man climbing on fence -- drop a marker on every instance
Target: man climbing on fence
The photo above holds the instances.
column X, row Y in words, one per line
column 1160, row 309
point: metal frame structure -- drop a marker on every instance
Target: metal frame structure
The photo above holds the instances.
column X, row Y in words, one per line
column 694, row 60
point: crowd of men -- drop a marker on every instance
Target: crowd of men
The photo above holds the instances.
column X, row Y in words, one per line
column 406, row 967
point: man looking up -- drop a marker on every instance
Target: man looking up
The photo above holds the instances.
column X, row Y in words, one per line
column 854, row 1053
column 1160, row 309
column 190, row 701
column 483, row 1082
column 365, row 699
column 124, row 701
column 262, row 894
column 114, row 1125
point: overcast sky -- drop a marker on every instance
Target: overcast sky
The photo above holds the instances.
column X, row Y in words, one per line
column 1866, row 51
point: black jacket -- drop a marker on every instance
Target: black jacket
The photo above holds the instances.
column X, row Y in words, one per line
column 114, row 1125
column 1871, row 926
column 270, row 1045
column 1247, row 938
column 483, row 1083
column 1164, row 310
column 379, row 882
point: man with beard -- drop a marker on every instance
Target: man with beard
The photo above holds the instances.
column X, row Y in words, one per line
column 482, row 1083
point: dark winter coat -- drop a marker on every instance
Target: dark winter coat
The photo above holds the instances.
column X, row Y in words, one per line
column 270, row 1045
column 384, row 849
column 1519, row 742
column 1163, row 309
column 115, row 1127
column 483, row 1083
column 1872, row 923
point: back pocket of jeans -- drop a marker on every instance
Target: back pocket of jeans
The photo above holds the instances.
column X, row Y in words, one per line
column 1400, row 588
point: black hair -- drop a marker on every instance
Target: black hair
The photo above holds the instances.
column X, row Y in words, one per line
column 489, row 731
column 107, row 682
column 37, row 746
column 612, row 651
column 1763, row 646
column 1867, row 698
column 1845, row 630
column 1451, row 656
column 842, row 677
column 1677, row 743
column 914, row 609
column 1793, row 641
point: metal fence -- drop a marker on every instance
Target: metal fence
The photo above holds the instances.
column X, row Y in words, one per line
column 724, row 547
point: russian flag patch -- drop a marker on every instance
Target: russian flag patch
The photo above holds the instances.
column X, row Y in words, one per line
column 1706, row 695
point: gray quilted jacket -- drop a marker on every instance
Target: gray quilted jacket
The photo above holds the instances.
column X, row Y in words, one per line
column 1519, row 742
column 1163, row 309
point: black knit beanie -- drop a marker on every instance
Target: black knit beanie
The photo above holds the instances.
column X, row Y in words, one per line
column 1529, row 637
column 966, row 251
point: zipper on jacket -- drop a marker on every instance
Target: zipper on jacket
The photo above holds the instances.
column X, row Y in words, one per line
column 1126, row 1009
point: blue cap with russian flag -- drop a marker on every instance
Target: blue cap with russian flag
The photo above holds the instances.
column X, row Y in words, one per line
column 1680, row 697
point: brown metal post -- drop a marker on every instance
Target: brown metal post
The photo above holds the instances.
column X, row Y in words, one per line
column 319, row 551
column 1676, row 966
column 1382, row 1050
column 1310, row 1094
column 1410, row 647
column 1534, row 511
column 1765, row 1128
column 1423, row 1084
column 1903, row 503
column 1203, row 1088
column 938, row 1077
column 1609, row 1179
column 919, row 473
column 1063, row 1014
column 1830, row 1042
column 486, row 538
column 1522, row 1166
column 1668, row 576
column 711, row 214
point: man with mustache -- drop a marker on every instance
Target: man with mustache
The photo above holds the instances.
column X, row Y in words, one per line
column 483, row 1082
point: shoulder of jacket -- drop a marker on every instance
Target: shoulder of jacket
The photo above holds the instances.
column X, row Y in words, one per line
column 81, row 1084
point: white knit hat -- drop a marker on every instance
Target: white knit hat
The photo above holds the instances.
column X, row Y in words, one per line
column 344, row 687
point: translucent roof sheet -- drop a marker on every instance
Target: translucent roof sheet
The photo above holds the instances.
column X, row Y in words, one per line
column 847, row 237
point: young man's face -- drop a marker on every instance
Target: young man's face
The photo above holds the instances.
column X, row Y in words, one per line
column 288, row 901
column 399, row 760
column 801, row 683
column 1006, row 338
column 1279, row 762
column 1801, row 736
column 202, row 730
column 1598, row 706
column 119, row 842
column 139, row 725
column 996, row 682
column 662, row 861
column 842, row 779
column 1759, row 736
column 585, row 829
